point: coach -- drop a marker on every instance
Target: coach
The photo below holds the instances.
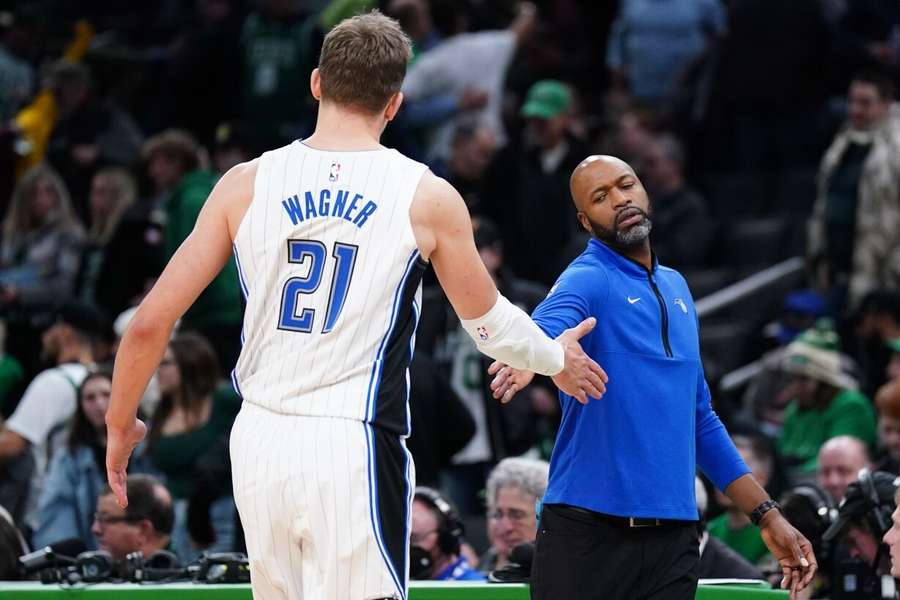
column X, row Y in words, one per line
column 619, row 516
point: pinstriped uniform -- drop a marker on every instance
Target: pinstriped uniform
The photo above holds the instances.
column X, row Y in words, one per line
column 331, row 274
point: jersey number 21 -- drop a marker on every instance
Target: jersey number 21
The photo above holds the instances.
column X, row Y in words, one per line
column 299, row 252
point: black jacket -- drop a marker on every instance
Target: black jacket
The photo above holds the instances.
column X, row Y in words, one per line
column 534, row 208
column 441, row 423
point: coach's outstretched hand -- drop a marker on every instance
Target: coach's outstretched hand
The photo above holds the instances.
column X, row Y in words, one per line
column 507, row 381
column 119, row 444
column 791, row 548
column 581, row 377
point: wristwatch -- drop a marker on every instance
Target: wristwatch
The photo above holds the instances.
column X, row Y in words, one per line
column 758, row 512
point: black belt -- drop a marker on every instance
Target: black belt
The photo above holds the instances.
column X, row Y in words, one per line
column 630, row 522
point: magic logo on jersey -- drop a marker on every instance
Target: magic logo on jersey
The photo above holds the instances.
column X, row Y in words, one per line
column 321, row 204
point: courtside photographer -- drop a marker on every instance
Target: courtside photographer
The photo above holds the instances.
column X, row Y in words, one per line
column 861, row 559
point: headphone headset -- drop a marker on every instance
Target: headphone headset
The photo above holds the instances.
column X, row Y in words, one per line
column 223, row 567
column 88, row 567
column 450, row 527
column 826, row 513
column 98, row 565
column 879, row 519
column 879, row 516
column 821, row 500
column 160, row 565
column 94, row 566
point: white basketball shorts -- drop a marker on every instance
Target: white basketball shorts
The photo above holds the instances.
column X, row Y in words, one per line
column 325, row 506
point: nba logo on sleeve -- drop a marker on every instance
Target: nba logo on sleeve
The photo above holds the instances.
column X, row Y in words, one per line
column 483, row 333
column 334, row 172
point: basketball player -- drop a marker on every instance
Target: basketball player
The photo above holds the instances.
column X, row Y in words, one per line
column 331, row 236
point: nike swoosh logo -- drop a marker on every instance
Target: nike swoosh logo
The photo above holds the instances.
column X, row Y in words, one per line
column 633, row 300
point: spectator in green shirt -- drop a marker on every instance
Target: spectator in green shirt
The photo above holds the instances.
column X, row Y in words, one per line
column 733, row 527
column 12, row 377
column 173, row 164
column 278, row 48
column 825, row 404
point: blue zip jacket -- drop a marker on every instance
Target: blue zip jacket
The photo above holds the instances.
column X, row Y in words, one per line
column 634, row 452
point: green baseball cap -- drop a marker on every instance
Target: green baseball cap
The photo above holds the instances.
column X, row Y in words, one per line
column 546, row 99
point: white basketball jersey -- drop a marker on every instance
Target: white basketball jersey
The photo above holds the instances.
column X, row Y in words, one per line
column 331, row 274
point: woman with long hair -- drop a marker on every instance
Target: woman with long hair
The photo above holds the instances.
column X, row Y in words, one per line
column 39, row 257
column 42, row 241
column 104, row 278
column 187, row 442
column 77, row 473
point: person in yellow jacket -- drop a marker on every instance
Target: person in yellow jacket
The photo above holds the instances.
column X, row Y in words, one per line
column 35, row 122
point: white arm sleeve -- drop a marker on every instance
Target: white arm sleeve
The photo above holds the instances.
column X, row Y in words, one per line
column 507, row 334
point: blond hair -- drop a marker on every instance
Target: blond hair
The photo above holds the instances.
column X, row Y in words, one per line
column 124, row 195
column 18, row 220
column 363, row 62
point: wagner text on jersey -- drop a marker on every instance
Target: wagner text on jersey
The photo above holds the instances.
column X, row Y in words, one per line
column 342, row 206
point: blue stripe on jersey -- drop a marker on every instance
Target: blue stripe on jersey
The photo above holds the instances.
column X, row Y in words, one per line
column 373, row 509
column 234, row 382
column 240, row 272
column 375, row 377
column 409, row 500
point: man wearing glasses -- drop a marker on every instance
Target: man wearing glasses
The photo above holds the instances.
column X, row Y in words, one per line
column 145, row 525
column 513, row 489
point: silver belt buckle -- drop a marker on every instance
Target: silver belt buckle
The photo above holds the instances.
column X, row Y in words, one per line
column 631, row 523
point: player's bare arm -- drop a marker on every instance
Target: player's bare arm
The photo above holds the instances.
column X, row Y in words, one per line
column 193, row 266
column 443, row 231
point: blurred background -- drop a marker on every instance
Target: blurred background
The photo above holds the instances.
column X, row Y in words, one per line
column 765, row 132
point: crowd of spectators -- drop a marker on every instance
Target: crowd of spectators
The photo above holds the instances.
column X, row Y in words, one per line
column 762, row 130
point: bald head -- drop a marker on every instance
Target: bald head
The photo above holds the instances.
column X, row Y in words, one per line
column 613, row 205
column 847, row 445
column 839, row 462
column 590, row 170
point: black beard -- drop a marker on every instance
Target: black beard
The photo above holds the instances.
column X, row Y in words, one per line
column 625, row 240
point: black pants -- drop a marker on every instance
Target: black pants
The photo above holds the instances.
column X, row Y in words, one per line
column 580, row 556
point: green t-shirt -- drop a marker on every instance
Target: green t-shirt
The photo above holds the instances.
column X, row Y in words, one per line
column 176, row 455
column 11, row 375
column 745, row 541
column 276, row 60
column 805, row 431
column 220, row 302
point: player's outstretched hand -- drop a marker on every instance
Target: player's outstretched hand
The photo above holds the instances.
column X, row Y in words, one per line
column 792, row 549
column 581, row 377
column 119, row 444
column 507, row 381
